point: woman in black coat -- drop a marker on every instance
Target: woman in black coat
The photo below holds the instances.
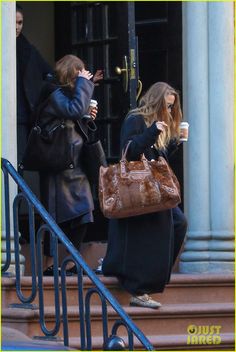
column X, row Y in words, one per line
column 142, row 249
column 67, row 195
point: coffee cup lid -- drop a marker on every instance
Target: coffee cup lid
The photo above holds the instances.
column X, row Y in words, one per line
column 184, row 124
column 93, row 102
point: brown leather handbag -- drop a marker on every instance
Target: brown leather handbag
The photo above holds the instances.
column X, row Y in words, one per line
column 137, row 187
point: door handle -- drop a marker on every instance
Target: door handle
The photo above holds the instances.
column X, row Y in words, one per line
column 124, row 72
column 140, row 87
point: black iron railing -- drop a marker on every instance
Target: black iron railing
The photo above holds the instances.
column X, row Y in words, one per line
column 50, row 226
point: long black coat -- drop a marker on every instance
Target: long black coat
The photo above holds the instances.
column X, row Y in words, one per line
column 140, row 249
column 32, row 70
column 67, row 194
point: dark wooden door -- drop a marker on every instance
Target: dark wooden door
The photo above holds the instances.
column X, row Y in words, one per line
column 158, row 28
column 102, row 34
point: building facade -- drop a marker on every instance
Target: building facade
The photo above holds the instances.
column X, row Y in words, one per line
column 208, row 105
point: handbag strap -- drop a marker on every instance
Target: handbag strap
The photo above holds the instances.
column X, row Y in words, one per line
column 123, row 161
column 38, row 112
column 125, row 150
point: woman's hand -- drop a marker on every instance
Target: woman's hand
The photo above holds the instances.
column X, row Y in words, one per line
column 98, row 76
column 161, row 125
column 93, row 112
column 85, row 74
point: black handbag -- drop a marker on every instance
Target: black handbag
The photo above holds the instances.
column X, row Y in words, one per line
column 93, row 157
column 48, row 148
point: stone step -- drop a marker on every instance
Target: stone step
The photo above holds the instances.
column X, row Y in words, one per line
column 160, row 342
column 169, row 319
column 170, row 343
column 14, row 340
column 198, row 288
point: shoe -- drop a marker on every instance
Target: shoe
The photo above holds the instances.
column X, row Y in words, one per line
column 98, row 271
column 49, row 271
column 72, row 271
column 144, row 301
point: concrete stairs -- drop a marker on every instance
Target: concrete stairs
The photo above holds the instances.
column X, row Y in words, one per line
column 14, row 340
column 202, row 301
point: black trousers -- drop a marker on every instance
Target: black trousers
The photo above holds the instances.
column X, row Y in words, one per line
column 180, row 229
column 22, row 138
column 75, row 233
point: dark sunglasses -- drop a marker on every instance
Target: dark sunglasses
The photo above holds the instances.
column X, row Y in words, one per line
column 170, row 106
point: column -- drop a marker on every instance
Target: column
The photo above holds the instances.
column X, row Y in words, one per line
column 208, row 76
column 221, row 118
column 9, row 141
column 196, row 150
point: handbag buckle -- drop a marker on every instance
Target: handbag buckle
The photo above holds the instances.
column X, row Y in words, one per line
column 135, row 174
column 37, row 129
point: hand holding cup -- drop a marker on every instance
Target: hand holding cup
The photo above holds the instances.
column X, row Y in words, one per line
column 93, row 108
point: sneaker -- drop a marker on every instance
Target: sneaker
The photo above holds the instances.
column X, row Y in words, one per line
column 144, row 301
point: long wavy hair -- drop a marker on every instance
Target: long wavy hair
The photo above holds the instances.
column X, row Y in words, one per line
column 153, row 107
column 67, row 69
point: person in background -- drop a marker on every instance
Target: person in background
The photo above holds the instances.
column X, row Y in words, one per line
column 67, row 194
column 32, row 70
column 142, row 249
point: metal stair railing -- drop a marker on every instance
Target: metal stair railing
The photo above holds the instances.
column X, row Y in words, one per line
column 110, row 342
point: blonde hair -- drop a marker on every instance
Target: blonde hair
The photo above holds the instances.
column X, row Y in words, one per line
column 153, row 107
column 67, row 69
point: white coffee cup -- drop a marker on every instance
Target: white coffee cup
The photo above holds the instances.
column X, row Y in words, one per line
column 93, row 103
column 184, row 131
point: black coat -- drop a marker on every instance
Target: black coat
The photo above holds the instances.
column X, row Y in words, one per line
column 32, row 70
column 67, row 194
column 140, row 249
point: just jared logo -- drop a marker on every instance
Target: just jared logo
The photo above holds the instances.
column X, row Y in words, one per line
column 203, row 334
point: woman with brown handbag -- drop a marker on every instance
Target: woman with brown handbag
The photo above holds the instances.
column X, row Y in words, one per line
column 142, row 249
